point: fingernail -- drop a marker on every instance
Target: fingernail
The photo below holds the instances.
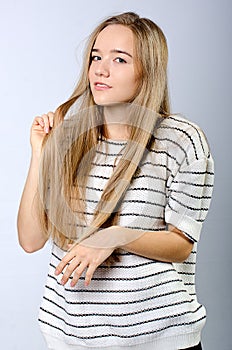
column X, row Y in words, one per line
column 46, row 130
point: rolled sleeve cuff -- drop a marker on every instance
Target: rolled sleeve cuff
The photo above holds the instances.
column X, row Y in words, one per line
column 190, row 227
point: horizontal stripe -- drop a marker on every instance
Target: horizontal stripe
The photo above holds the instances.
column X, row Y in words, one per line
column 124, row 278
column 158, row 296
column 143, row 228
column 184, row 132
column 115, row 143
column 94, row 188
column 189, row 263
column 98, row 177
column 119, row 266
column 109, row 154
column 193, row 184
column 167, row 154
column 139, row 201
column 141, row 215
column 197, row 172
column 155, row 285
column 192, row 126
column 112, row 315
column 156, row 165
column 187, row 206
column 147, row 176
column 176, row 144
column 186, row 273
column 102, row 165
column 116, row 315
column 125, row 335
column 146, row 189
column 190, row 195
column 125, row 214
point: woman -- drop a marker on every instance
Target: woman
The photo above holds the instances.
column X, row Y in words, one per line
column 123, row 190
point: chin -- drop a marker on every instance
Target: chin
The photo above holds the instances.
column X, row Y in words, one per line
column 108, row 102
column 105, row 103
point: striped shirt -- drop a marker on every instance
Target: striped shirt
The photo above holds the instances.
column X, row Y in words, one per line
column 139, row 301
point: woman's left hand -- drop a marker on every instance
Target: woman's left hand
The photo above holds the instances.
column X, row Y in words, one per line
column 80, row 258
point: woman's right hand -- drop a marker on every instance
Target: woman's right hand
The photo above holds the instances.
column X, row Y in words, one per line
column 40, row 128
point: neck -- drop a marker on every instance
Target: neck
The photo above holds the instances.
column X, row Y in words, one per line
column 116, row 126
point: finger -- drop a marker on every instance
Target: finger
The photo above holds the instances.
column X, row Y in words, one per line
column 71, row 246
column 38, row 121
column 89, row 274
column 69, row 270
column 68, row 257
column 77, row 274
column 46, row 123
column 51, row 119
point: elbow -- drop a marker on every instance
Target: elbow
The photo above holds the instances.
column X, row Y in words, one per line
column 29, row 248
column 183, row 246
column 30, row 245
column 183, row 255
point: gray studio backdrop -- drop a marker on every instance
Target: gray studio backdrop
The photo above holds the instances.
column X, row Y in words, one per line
column 41, row 51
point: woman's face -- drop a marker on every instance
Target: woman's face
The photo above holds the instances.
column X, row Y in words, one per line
column 112, row 71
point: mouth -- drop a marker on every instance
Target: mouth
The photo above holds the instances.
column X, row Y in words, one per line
column 101, row 86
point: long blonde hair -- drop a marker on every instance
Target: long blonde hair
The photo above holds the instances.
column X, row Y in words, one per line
column 151, row 58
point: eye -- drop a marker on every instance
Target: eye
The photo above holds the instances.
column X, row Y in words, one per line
column 120, row 60
column 95, row 58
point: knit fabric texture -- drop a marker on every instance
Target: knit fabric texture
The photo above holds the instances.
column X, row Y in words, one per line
column 138, row 300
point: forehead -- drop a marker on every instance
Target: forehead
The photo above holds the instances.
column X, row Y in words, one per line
column 115, row 36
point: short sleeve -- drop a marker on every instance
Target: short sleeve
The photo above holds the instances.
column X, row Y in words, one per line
column 189, row 194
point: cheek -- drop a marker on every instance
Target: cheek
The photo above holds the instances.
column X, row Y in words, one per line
column 132, row 85
column 127, row 80
column 132, row 80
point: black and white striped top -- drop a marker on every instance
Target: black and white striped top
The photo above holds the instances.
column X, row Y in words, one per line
column 138, row 300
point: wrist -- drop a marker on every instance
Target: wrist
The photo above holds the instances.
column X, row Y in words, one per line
column 112, row 237
column 35, row 154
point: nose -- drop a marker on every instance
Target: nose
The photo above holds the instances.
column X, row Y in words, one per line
column 102, row 69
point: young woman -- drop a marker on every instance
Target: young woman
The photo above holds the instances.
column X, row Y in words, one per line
column 122, row 188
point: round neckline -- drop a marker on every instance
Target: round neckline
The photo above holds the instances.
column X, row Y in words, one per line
column 113, row 141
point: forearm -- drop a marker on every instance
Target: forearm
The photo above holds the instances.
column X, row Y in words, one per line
column 168, row 246
column 30, row 234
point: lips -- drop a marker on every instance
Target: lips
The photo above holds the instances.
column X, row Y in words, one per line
column 101, row 86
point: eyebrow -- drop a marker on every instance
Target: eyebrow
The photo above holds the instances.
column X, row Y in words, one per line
column 115, row 51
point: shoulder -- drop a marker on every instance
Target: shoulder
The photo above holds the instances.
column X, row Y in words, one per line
column 178, row 133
